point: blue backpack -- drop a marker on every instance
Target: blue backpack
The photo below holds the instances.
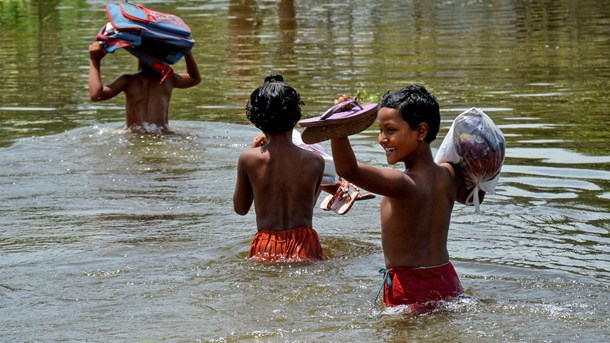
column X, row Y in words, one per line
column 157, row 39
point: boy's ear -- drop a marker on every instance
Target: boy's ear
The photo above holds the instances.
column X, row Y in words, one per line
column 422, row 128
column 422, row 131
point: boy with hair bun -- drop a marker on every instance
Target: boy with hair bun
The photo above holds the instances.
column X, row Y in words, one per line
column 280, row 178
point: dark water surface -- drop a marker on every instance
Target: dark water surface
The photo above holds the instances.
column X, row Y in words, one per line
column 106, row 236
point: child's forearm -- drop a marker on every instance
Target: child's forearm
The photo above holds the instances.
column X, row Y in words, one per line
column 243, row 195
column 191, row 77
column 343, row 157
column 192, row 68
column 95, row 80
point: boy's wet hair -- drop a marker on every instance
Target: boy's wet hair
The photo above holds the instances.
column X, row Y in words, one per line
column 416, row 106
column 274, row 106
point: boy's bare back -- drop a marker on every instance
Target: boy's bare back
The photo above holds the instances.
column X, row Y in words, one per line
column 284, row 181
column 147, row 99
column 280, row 178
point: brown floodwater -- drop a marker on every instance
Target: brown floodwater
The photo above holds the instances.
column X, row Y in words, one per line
column 107, row 236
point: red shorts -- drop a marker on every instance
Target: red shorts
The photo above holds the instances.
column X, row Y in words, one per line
column 421, row 287
column 300, row 244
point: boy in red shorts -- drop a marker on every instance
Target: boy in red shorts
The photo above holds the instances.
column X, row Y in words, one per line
column 280, row 178
column 417, row 203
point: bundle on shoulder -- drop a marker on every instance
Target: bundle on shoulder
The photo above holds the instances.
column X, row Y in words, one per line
column 476, row 146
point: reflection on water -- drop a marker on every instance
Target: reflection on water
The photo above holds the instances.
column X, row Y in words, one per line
column 113, row 236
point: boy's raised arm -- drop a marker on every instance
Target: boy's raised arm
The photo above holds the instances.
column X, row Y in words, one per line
column 97, row 90
column 345, row 161
column 387, row 182
column 191, row 77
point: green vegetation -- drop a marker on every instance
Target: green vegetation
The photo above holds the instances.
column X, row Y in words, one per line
column 12, row 10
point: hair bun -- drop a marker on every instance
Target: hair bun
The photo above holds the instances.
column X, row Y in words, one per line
column 274, row 78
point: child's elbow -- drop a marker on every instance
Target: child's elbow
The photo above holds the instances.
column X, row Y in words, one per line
column 96, row 96
column 196, row 80
column 241, row 211
column 346, row 173
column 240, row 208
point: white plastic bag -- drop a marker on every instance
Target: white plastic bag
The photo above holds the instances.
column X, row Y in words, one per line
column 476, row 146
column 330, row 175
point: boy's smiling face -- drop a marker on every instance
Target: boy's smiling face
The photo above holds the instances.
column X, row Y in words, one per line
column 396, row 137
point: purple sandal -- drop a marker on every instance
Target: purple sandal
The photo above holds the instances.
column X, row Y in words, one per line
column 333, row 124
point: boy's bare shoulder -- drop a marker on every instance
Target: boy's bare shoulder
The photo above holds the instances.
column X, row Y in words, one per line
column 449, row 173
column 456, row 179
column 252, row 153
column 130, row 82
column 449, row 167
column 311, row 156
column 251, row 157
column 127, row 77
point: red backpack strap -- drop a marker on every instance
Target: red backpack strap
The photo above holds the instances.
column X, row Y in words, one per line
column 162, row 68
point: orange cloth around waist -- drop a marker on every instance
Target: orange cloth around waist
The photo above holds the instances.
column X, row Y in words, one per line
column 300, row 244
column 421, row 287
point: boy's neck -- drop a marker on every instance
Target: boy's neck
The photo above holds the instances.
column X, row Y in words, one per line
column 144, row 69
column 279, row 138
column 423, row 158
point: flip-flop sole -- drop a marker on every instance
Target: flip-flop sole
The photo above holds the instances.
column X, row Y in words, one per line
column 340, row 117
column 366, row 196
column 317, row 130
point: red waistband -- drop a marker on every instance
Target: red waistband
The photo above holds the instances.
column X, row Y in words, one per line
column 422, row 271
column 300, row 228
